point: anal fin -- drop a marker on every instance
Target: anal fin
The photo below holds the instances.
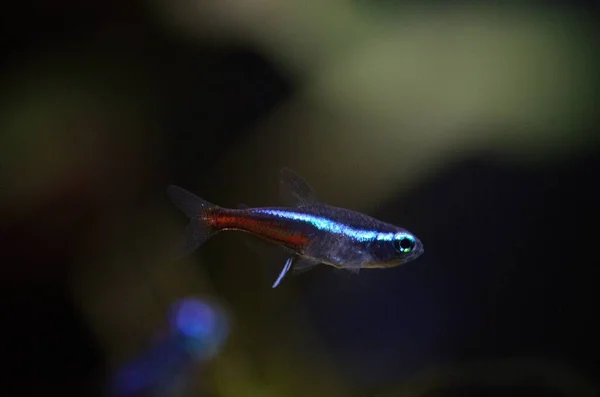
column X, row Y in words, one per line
column 262, row 247
column 353, row 270
column 302, row 265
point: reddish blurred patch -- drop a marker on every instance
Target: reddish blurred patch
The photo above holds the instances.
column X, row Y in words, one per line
column 40, row 242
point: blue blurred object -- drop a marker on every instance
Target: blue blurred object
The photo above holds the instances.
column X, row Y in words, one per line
column 198, row 329
column 151, row 369
column 203, row 326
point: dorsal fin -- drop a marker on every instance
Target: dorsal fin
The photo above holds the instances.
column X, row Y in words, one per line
column 294, row 190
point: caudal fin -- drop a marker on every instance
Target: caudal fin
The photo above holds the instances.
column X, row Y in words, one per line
column 198, row 230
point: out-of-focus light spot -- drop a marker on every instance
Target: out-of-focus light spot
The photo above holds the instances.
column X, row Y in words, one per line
column 150, row 369
column 195, row 319
column 130, row 380
column 197, row 331
column 202, row 325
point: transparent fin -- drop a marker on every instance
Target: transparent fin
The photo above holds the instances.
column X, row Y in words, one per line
column 263, row 247
column 197, row 231
column 194, row 236
column 190, row 204
column 302, row 265
column 267, row 252
column 294, row 190
column 353, row 270
column 243, row 206
column 284, row 271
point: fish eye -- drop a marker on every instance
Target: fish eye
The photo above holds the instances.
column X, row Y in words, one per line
column 404, row 244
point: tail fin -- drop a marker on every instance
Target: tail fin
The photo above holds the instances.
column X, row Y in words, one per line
column 198, row 230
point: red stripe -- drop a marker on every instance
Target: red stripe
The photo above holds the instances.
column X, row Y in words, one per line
column 273, row 230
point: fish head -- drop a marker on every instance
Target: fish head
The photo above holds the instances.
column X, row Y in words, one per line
column 401, row 248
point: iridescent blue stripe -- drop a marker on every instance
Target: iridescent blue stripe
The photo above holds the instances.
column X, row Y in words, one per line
column 332, row 226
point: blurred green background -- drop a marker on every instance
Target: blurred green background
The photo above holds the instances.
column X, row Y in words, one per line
column 475, row 127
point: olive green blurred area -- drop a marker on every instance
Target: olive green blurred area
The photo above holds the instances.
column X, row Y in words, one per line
column 374, row 102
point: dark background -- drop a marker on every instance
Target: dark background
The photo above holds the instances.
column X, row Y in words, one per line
column 511, row 252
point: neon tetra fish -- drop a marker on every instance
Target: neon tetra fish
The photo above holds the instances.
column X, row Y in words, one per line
column 311, row 231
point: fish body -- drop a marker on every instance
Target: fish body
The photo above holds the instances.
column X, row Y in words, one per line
column 330, row 235
column 311, row 231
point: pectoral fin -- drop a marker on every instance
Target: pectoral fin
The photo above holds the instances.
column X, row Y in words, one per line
column 286, row 268
column 297, row 264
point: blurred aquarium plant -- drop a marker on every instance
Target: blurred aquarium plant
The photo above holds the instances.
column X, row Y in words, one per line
column 408, row 88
